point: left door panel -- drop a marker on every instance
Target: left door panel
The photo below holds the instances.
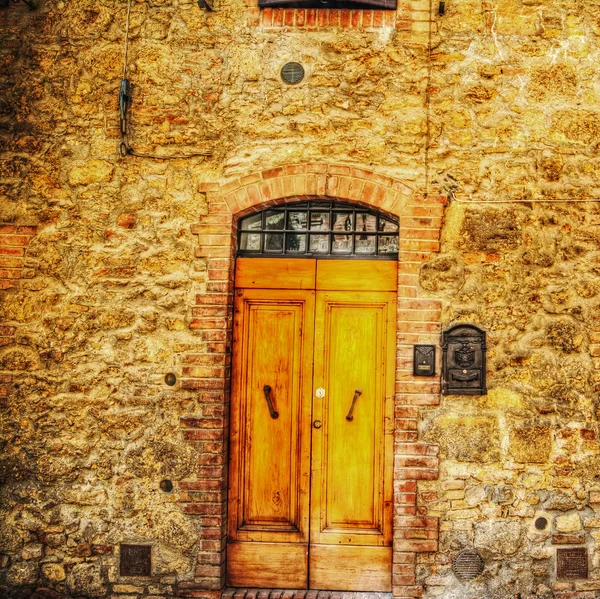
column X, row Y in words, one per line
column 270, row 445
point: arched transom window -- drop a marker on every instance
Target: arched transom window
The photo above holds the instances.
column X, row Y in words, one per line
column 319, row 229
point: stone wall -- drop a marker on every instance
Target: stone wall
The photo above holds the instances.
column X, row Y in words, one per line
column 105, row 276
column 515, row 110
column 529, row 448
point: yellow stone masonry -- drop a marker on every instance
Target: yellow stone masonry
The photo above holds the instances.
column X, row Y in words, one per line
column 479, row 129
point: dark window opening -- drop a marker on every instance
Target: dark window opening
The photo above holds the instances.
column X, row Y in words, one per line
column 319, row 229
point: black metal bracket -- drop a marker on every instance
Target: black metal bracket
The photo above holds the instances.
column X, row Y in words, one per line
column 206, row 5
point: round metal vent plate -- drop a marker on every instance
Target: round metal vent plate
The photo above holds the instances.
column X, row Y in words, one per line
column 467, row 564
column 292, row 73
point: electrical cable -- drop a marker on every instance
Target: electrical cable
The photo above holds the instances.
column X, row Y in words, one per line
column 453, row 198
column 126, row 49
column 124, row 102
column 428, row 100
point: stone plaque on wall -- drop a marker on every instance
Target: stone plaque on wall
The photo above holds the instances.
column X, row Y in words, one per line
column 572, row 563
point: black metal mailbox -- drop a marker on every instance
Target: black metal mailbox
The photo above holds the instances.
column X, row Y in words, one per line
column 463, row 361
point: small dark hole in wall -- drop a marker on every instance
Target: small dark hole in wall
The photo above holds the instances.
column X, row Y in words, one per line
column 541, row 523
column 166, row 485
column 170, row 379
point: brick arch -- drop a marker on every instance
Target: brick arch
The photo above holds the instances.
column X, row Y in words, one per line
column 308, row 198
column 311, row 180
column 207, row 370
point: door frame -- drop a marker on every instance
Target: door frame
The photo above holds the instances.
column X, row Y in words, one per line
column 419, row 321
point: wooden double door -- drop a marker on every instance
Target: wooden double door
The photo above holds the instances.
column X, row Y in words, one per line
column 311, row 437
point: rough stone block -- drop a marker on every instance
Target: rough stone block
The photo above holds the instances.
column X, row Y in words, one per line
column 465, row 438
column 94, row 171
column 54, row 572
column 568, row 523
column 503, row 537
column 531, row 444
column 568, row 539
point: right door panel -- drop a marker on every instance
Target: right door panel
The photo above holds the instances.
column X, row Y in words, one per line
column 351, row 492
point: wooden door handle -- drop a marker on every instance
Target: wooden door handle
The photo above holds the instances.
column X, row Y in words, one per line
column 357, row 394
column 267, row 391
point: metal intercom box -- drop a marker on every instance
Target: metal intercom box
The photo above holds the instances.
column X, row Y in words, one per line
column 424, row 360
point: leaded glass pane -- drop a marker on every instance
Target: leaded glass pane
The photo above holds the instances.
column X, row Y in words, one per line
column 274, row 220
column 342, row 221
column 297, row 221
column 388, row 244
column 250, row 242
column 273, row 242
column 319, row 221
column 319, row 244
column 365, row 244
column 342, row 244
column 295, row 242
column 366, row 222
column 387, row 225
column 252, row 222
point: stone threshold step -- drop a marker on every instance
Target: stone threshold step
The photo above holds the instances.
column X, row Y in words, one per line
column 242, row 593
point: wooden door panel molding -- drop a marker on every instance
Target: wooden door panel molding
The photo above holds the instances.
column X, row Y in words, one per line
column 307, row 273
column 338, row 567
column 269, row 476
column 357, row 275
column 275, row 273
column 267, row 565
column 271, row 445
column 351, row 448
column 351, row 493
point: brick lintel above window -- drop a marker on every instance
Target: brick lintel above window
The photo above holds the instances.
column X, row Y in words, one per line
column 348, row 4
